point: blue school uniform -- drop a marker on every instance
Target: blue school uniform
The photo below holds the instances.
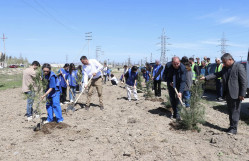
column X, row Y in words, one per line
column 72, row 78
column 155, row 70
column 146, row 76
column 131, row 79
column 72, row 83
column 53, row 98
column 61, row 79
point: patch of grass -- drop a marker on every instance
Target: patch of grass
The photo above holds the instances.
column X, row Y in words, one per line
column 10, row 81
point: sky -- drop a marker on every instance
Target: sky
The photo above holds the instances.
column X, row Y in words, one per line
column 54, row 31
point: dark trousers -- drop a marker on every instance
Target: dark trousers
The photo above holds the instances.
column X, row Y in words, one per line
column 113, row 82
column 234, row 106
column 157, row 87
column 219, row 88
column 174, row 101
column 105, row 78
column 63, row 96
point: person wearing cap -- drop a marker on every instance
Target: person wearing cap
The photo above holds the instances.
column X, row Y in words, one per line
column 157, row 77
column 218, row 68
column 92, row 69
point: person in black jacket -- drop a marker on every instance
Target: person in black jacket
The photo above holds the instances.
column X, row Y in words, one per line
column 175, row 76
column 157, row 78
column 234, row 81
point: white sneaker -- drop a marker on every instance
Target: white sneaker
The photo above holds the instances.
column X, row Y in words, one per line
column 37, row 116
column 45, row 122
column 71, row 101
column 137, row 99
column 66, row 102
column 129, row 100
column 61, row 104
column 30, row 118
column 60, row 121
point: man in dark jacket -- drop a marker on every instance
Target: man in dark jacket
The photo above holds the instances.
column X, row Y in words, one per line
column 234, row 82
column 175, row 76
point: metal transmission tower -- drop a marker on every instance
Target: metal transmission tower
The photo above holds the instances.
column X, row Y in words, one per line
column 98, row 50
column 223, row 44
column 88, row 37
column 163, row 47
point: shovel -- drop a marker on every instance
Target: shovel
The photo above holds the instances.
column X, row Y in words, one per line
column 178, row 96
column 71, row 106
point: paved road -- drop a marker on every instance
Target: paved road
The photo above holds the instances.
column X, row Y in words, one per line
column 211, row 95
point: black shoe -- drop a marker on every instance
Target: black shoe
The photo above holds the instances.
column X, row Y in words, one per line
column 87, row 107
column 232, row 131
column 101, row 107
column 228, row 129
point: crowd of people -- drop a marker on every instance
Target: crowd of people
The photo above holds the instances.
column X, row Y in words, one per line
column 179, row 74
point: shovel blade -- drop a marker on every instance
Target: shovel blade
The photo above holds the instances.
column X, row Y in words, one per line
column 70, row 107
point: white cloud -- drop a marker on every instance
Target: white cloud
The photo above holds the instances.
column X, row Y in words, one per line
column 228, row 20
column 221, row 17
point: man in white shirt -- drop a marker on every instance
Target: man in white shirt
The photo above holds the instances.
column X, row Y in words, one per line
column 92, row 68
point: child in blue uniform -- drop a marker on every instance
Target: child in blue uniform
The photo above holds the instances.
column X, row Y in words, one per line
column 72, row 77
column 52, row 94
column 63, row 76
column 146, row 74
column 131, row 82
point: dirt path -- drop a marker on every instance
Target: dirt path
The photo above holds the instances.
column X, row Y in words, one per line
column 137, row 130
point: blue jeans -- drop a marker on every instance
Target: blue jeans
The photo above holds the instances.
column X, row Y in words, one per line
column 219, row 88
column 186, row 96
column 73, row 89
column 53, row 106
column 30, row 102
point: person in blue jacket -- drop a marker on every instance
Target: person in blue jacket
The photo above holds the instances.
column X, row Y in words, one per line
column 157, row 78
column 131, row 82
column 175, row 76
column 63, row 76
column 146, row 74
column 109, row 73
column 52, row 94
column 72, row 78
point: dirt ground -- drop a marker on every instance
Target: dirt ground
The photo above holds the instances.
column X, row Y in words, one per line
column 136, row 130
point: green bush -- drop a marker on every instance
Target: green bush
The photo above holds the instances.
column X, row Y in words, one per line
column 190, row 117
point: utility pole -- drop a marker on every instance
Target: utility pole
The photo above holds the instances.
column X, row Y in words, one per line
column 88, row 37
column 223, row 44
column 129, row 61
column 151, row 58
column 66, row 58
column 4, row 50
column 98, row 49
column 163, row 47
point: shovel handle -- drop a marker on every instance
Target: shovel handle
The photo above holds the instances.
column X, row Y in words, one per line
column 83, row 90
column 178, row 96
